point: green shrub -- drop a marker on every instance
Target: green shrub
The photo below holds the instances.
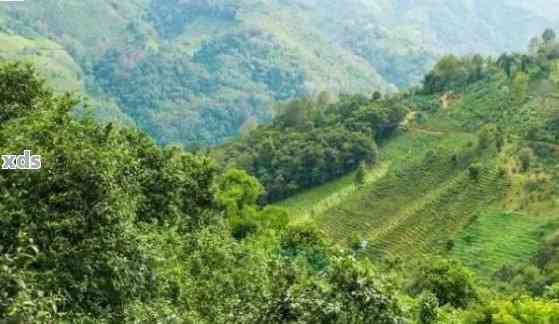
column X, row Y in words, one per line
column 449, row 281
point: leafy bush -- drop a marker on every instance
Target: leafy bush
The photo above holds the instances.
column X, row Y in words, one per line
column 449, row 281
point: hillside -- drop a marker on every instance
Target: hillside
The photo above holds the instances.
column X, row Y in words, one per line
column 194, row 72
column 470, row 174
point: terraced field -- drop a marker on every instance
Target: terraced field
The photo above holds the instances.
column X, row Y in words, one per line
column 303, row 207
column 402, row 150
column 422, row 203
column 498, row 238
column 421, row 198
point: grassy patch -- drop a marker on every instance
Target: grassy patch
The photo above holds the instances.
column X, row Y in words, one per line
column 51, row 59
column 309, row 198
column 308, row 204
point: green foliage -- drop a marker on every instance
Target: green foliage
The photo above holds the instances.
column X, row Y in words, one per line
column 21, row 298
column 552, row 292
column 177, row 186
column 474, row 171
column 549, row 36
column 252, row 221
column 308, row 144
column 454, row 74
column 525, row 156
column 238, row 190
column 52, row 60
column 428, row 308
column 300, row 237
column 170, row 17
column 403, row 220
column 449, row 281
column 519, row 86
column 485, row 248
column 21, row 91
column 79, row 210
column 116, row 229
column 487, row 136
column 192, row 72
column 425, row 103
column 518, row 311
column 361, row 294
column 359, row 179
column 500, row 139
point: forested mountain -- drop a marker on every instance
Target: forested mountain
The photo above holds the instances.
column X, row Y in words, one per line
column 194, row 72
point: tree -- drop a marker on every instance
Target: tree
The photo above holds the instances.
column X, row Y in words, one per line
column 69, row 232
column 78, row 210
column 500, row 140
column 534, row 45
column 348, row 291
column 521, row 309
column 360, row 175
column 474, row 170
column 549, row 36
column 507, row 63
column 237, row 190
column 248, row 126
column 22, row 91
column 447, row 74
column 554, row 73
column 358, row 289
column 428, row 308
column 449, row 281
column 525, row 155
column 520, row 86
column 177, row 185
column 332, row 141
column 487, row 135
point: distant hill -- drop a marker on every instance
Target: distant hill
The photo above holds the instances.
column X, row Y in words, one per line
column 193, row 72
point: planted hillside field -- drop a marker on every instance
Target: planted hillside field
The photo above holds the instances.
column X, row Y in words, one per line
column 304, row 207
column 482, row 142
column 420, row 203
column 495, row 239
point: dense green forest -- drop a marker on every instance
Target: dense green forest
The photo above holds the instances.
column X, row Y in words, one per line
column 194, row 72
column 117, row 229
column 312, row 141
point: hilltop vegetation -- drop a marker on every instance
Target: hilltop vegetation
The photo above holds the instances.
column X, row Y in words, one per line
column 193, row 72
column 312, row 141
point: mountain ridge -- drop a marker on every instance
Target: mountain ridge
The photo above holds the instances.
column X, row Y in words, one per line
column 152, row 59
